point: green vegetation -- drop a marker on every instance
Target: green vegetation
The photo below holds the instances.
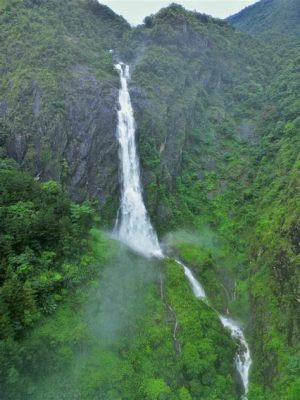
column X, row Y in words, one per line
column 96, row 325
column 44, row 256
column 220, row 146
column 219, row 140
column 275, row 20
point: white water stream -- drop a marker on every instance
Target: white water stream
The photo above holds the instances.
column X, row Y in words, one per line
column 243, row 357
column 134, row 228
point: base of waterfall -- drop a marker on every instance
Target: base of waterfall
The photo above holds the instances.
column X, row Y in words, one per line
column 141, row 246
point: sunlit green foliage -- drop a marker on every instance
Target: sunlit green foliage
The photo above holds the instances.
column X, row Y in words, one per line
column 43, row 245
column 119, row 337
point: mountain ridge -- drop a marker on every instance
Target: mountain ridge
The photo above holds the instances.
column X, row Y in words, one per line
column 270, row 18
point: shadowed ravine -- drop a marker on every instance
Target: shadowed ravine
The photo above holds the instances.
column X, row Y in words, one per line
column 134, row 228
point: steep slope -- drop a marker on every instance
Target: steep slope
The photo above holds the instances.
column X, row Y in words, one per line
column 84, row 339
column 271, row 18
column 59, row 92
column 275, row 280
column 218, row 126
column 198, row 89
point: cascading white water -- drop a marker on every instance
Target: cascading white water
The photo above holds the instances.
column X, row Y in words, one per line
column 134, row 227
column 195, row 285
column 243, row 358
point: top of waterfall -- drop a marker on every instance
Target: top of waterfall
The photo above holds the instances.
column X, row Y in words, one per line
column 123, row 69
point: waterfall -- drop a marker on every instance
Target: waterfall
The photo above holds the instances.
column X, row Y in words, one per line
column 133, row 226
column 243, row 357
column 195, row 285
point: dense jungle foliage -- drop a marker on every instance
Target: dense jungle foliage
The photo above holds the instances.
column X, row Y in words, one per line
column 218, row 129
column 113, row 341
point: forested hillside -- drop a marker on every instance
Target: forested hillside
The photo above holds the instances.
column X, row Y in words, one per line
column 218, row 131
column 220, row 147
column 273, row 19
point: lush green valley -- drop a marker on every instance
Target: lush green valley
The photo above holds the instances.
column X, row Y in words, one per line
column 218, row 131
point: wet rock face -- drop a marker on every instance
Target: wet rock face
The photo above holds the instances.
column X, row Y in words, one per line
column 3, row 108
column 59, row 99
column 16, row 147
column 73, row 141
column 247, row 132
column 92, row 150
column 139, row 99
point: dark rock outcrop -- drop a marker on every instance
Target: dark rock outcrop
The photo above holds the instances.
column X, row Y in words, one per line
column 79, row 149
